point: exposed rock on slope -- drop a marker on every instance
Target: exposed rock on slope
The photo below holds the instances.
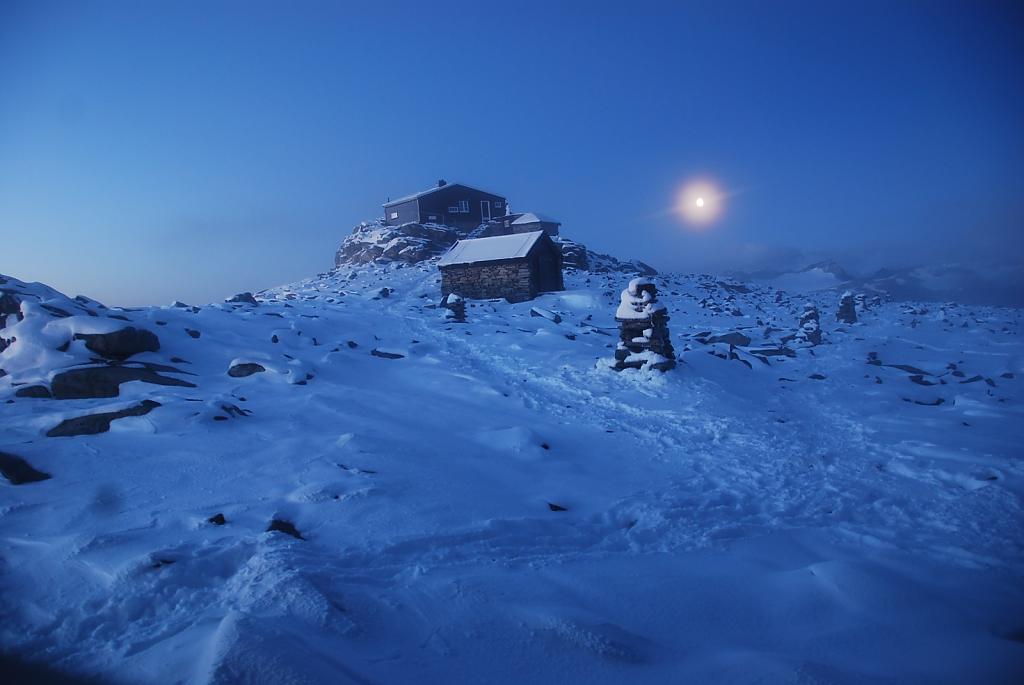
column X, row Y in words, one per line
column 415, row 242
column 412, row 242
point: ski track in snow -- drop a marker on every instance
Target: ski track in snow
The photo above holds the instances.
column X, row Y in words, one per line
column 723, row 525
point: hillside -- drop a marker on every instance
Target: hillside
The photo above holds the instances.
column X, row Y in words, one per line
column 330, row 482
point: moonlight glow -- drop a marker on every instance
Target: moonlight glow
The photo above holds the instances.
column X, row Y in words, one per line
column 699, row 204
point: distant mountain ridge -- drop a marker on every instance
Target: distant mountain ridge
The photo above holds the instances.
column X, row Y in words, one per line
column 984, row 284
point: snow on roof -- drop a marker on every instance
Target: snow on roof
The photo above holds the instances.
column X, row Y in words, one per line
column 489, row 249
column 532, row 218
column 416, row 196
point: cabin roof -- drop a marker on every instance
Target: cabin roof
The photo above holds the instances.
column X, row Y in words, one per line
column 500, row 247
column 533, row 218
column 429, row 191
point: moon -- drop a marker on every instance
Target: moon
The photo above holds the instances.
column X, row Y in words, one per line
column 700, row 203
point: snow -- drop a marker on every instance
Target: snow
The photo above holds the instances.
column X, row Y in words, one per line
column 633, row 307
column 722, row 522
column 533, row 218
column 488, row 249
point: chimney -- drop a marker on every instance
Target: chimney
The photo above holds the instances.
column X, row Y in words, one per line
column 441, row 183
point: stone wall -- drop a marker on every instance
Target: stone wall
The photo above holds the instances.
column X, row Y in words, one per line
column 510, row 280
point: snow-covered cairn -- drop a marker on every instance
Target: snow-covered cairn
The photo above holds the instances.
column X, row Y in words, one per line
column 454, row 308
column 643, row 329
column 810, row 328
column 847, row 311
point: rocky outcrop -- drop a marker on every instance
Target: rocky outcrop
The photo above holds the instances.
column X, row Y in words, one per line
column 411, row 243
column 414, row 242
column 577, row 256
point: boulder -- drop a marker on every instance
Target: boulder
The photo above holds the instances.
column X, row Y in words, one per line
column 37, row 391
column 122, row 343
column 18, row 471
column 545, row 314
column 245, row 369
column 732, row 338
column 242, row 298
column 286, row 527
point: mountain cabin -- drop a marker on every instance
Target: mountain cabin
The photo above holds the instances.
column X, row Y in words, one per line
column 516, row 267
column 451, row 204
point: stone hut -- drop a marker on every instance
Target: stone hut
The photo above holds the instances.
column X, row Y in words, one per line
column 516, row 267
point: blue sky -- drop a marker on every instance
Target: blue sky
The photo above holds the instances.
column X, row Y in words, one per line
column 153, row 151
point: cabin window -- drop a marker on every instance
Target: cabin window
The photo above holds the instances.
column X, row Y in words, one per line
column 497, row 204
column 453, row 210
column 394, row 215
column 464, row 206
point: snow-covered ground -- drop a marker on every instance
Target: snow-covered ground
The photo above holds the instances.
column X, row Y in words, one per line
column 497, row 505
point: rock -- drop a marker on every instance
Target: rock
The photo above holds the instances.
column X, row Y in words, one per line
column 122, row 343
column 9, row 304
column 773, row 352
column 245, row 369
column 91, row 424
column 38, row 391
column 242, row 298
column 18, row 471
column 287, row 527
column 734, row 287
column 733, row 338
column 809, row 331
column 193, row 333
column 455, row 308
column 556, row 507
column 545, row 314
column 56, row 311
column 105, row 381
column 384, row 292
column 643, row 269
column 847, row 309
column 233, row 410
column 217, row 520
column 386, row 355
column 574, row 255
